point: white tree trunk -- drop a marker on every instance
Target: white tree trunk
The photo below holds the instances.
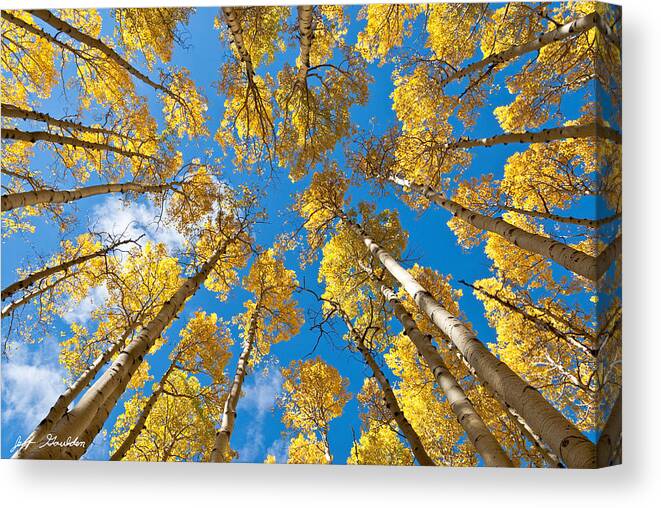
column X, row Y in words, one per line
column 11, row 111
column 327, row 451
column 551, row 459
column 566, row 441
column 8, row 309
column 572, row 259
column 62, row 267
column 540, row 323
column 237, row 36
column 34, row 136
column 608, row 256
column 609, row 446
column 98, row 421
column 392, row 404
column 139, row 425
column 48, row 196
column 111, row 54
column 477, row 431
column 76, row 424
column 35, row 30
column 306, row 34
column 60, row 407
column 589, row 130
column 577, row 221
column 571, row 29
column 221, row 449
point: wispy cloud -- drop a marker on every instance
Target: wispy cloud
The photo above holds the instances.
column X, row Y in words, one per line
column 133, row 219
column 31, row 383
column 279, row 449
column 81, row 312
column 259, row 399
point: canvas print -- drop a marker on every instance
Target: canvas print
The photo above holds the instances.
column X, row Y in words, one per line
column 381, row 234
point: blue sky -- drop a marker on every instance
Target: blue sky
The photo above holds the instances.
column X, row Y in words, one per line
column 31, row 377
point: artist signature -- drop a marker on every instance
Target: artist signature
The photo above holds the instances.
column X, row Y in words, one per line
column 50, row 441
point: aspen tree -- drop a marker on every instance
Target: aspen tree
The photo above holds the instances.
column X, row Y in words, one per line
column 75, row 423
column 314, row 394
column 203, row 349
column 565, row 440
column 271, row 317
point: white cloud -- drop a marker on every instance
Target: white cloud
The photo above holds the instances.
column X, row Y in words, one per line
column 261, row 395
column 31, row 382
column 132, row 219
column 279, row 449
column 81, row 312
column 259, row 398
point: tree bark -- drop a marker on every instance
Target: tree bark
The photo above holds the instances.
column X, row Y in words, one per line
column 572, row 259
column 34, row 136
column 551, row 459
column 221, row 449
column 98, row 421
column 49, row 196
column 588, row 130
column 11, row 307
column 392, row 404
column 327, row 451
column 608, row 33
column 62, row 267
column 609, row 446
column 306, row 34
column 566, row 441
column 571, row 29
column 35, row 30
column 607, row 256
column 234, row 26
column 139, row 425
column 62, row 403
column 477, row 431
column 11, row 111
column 111, row 54
column 77, row 422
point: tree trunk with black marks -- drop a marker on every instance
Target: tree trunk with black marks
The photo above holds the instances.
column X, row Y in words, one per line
column 35, row 30
column 82, row 422
column 11, row 111
column 27, row 298
column 306, row 34
column 588, row 130
column 539, row 322
column 234, row 26
column 49, row 196
column 609, row 446
column 477, row 431
column 111, row 54
column 550, row 458
column 572, row 259
column 139, row 425
column 34, row 136
column 60, row 407
column 28, row 281
column 571, row 29
column 577, row 221
column 392, row 404
column 566, row 441
column 221, row 449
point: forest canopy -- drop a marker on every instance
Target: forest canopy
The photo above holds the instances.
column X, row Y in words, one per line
column 383, row 234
